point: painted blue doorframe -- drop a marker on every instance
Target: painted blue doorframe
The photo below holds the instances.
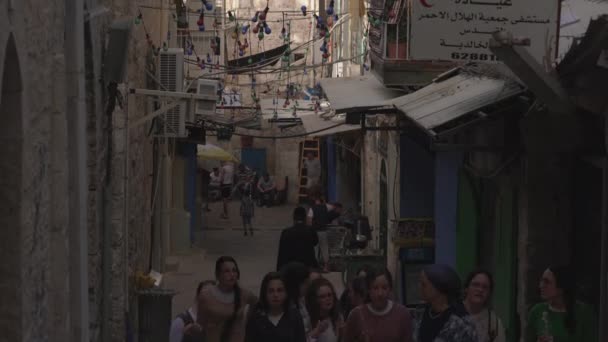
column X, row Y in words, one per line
column 189, row 152
column 255, row 159
column 332, row 184
column 447, row 166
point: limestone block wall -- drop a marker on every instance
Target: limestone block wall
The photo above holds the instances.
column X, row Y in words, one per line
column 281, row 154
column 112, row 255
column 33, row 173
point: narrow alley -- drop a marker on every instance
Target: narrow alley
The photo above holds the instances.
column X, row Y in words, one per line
column 441, row 168
column 256, row 255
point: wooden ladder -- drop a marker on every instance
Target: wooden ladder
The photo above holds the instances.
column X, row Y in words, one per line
column 307, row 146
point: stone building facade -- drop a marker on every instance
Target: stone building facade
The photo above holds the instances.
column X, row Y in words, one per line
column 50, row 289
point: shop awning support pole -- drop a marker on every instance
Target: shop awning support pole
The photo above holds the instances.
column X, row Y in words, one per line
column 544, row 85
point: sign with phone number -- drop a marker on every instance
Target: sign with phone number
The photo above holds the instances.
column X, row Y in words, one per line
column 474, row 56
column 461, row 29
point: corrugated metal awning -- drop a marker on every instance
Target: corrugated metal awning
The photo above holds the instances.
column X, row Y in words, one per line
column 437, row 105
column 353, row 93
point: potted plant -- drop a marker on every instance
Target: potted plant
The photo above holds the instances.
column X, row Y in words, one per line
column 396, row 40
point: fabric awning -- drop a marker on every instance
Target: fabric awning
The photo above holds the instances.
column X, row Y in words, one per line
column 353, row 93
column 456, row 101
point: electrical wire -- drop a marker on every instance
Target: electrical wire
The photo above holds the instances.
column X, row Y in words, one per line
column 287, row 136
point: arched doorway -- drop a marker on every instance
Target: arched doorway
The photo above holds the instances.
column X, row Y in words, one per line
column 10, row 195
column 382, row 238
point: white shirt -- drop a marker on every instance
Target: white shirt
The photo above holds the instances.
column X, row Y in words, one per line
column 275, row 319
column 483, row 321
column 216, row 180
column 313, row 168
column 329, row 335
column 227, row 174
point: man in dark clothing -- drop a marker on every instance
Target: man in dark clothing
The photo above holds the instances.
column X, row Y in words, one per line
column 298, row 242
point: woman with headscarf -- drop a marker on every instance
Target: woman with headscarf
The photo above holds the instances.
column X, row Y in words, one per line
column 223, row 308
column 560, row 318
column 478, row 288
column 445, row 318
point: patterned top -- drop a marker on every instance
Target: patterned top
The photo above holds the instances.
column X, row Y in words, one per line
column 247, row 205
column 456, row 329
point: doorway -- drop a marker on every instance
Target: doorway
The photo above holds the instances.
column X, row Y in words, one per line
column 10, row 196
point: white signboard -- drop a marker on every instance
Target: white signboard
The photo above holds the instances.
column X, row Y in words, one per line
column 461, row 29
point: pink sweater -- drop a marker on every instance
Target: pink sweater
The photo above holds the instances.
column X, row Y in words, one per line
column 363, row 325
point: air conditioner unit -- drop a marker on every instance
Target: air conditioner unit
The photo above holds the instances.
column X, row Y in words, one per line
column 206, row 87
column 171, row 77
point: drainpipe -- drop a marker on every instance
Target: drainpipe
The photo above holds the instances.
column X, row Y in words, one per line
column 603, row 314
column 126, row 208
column 76, row 117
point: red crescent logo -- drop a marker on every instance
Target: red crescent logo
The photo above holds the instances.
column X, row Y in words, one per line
column 425, row 3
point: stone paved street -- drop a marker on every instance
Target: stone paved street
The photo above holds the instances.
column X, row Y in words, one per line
column 256, row 255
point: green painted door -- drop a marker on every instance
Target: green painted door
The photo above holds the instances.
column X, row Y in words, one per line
column 466, row 228
column 505, row 260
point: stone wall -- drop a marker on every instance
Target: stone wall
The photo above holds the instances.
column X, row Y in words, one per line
column 371, row 164
column 34, row 173
column 129, row 242
column 281, row 154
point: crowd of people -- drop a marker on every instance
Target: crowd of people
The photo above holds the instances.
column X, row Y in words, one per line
column 225, row 182
column 297, row 304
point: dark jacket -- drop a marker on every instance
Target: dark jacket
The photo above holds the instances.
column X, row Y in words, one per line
column 289, row 329
column 298, row 244
column 320, row 217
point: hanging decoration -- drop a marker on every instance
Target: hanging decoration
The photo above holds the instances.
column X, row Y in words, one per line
column 201, row 21
column 330, row 9
column 208, row 5
column 290, row 77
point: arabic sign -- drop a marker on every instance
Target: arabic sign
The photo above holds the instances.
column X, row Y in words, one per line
column 461, row 29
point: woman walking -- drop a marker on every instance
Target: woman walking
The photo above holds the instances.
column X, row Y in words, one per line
column 381, row 319
column 445, row 318
column 222, row 308
column 273, row 320
column 298, row 277
column 479, row 286
column 560, row 318
column 322, row 305
column 247, row 207
column 354, row 296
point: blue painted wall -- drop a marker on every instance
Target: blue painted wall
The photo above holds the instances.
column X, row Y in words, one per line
column 255, row 159
column 447, row 165
column 417, row 180
column 332, row 184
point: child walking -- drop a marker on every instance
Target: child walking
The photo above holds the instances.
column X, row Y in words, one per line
column 247, row 206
